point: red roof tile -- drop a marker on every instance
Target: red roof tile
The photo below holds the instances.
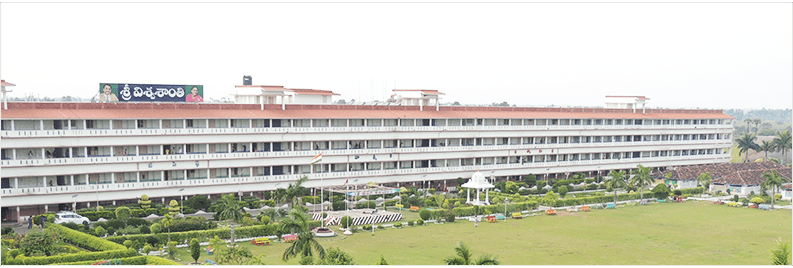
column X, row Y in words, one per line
column 4, row 83
column 731, row 173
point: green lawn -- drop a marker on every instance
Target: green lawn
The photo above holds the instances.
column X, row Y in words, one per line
column 692, row 233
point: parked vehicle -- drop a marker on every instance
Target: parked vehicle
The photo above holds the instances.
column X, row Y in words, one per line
column 68, row 216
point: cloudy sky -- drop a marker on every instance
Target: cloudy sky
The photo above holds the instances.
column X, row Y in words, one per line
column 707, row 55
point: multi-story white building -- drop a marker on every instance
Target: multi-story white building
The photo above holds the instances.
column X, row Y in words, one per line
column 56, row 155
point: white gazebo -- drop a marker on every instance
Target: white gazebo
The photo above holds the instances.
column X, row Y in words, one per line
column 480, row 183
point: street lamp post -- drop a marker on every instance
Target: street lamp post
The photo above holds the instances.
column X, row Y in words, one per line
column 506, row 200
column 181, row 201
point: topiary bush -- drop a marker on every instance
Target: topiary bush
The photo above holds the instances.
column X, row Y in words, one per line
column 425, row 214
column 99, row 231
column 346, row 221
column 661, row 191
column 757, row 200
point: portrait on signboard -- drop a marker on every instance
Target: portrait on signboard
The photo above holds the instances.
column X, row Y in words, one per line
column 194, row 94
column 108, row 93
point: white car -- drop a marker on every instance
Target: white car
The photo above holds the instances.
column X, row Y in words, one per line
column 68, row 216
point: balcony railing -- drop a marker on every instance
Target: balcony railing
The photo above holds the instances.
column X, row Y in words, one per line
column 347, row 174
column 244, row 155
column 192, row 131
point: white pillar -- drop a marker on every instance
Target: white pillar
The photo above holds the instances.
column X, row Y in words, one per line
column 137, row 176
column 487, row 196
column 468, row 197
column 16, row 183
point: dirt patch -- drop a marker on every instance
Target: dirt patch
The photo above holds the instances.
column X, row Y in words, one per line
column 573, row 214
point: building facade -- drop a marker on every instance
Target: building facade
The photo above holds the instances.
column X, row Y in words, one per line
column 72, row 155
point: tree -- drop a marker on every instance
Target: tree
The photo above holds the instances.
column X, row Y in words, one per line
column 704, row 179
column 617, row 181
column 144, row 202
column 745, row 144
column 173, row 207
column 562, row 191
column 767, row 146
column 531, row 180
column 42, row 241
column 774, row 181
column 346, row 222
column 295, row 189
column 195, row 249
column 198, row 202
column 782, row 143
column 439, row 199
column 123, row 214
column 460, row 181
column 661, row 191
column 782, row 252
column 166, row 223
column 756, row 122
column 298, row 223
column 641, row 178
column 336, row 256
column 464, row 257
column 100, row 232
column 229, row 209
column 234, row 255
column 382, row 261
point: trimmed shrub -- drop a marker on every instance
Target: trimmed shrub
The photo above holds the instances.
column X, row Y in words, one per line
column 99, row 231
column 450, row 217
column 9, row 230
column 398, row 224
column 116, row 224
column 411, row 223
column 419, row 222
column 757, row 200
column 425, row 214
column 69, row 225
column 346, row 221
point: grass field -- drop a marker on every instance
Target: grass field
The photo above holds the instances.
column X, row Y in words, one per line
column 691, row 233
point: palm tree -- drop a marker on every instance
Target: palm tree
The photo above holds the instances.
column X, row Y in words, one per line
column 767, row 146
column 229, row 209
column 782, row 142
column 756, row 122
column 704, row 179
column 773, row 180
column 464, row 257
column 642, row 178
column 295, row 189
column 306, row 240
column 617, row 181
column 279, row 195
column 745, row 144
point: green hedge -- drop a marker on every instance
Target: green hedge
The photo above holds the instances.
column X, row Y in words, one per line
column 205, row 235
column 94, row 215
column 511, row 207
column 85, row 241
column 139, row 260
column 76, row 257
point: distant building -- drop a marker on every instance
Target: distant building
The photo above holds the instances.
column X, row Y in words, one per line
column 251, row 94
column 739, row 178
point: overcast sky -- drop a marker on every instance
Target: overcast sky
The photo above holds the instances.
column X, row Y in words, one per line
column 707, row 55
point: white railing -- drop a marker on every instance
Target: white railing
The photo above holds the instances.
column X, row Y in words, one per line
column 246, row 155
column 193, row 131
column 339, row 175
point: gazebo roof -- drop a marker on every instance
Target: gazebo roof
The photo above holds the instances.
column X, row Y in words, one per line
column 478, row 181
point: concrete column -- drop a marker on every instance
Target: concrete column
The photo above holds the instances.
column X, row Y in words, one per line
column 184, row 123
column 43, row 153
column 44, row 179
column 185, row 174
column 112, row 151
column 88, row 204
column 162, row 175
column 468, row 197
column 114, row 202
column 12, row 128
column 16, row 183
column 71, row 180
column 111, row 123
column 160, row 122
column 162, row 149
column 208, row 173
column 85, row 151
column 46, row 208
column 19, row 218
column 41, row 124
column 113, row 178
column 14, row 154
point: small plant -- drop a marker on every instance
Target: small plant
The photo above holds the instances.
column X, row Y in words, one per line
column 735, row 198
column 411, row 223
column 398, row 225
column 381, row 227
column 419, row 222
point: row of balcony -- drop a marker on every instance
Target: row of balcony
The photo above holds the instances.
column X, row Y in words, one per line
column 181, row 155
column 500, row 168
column 264, row 130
